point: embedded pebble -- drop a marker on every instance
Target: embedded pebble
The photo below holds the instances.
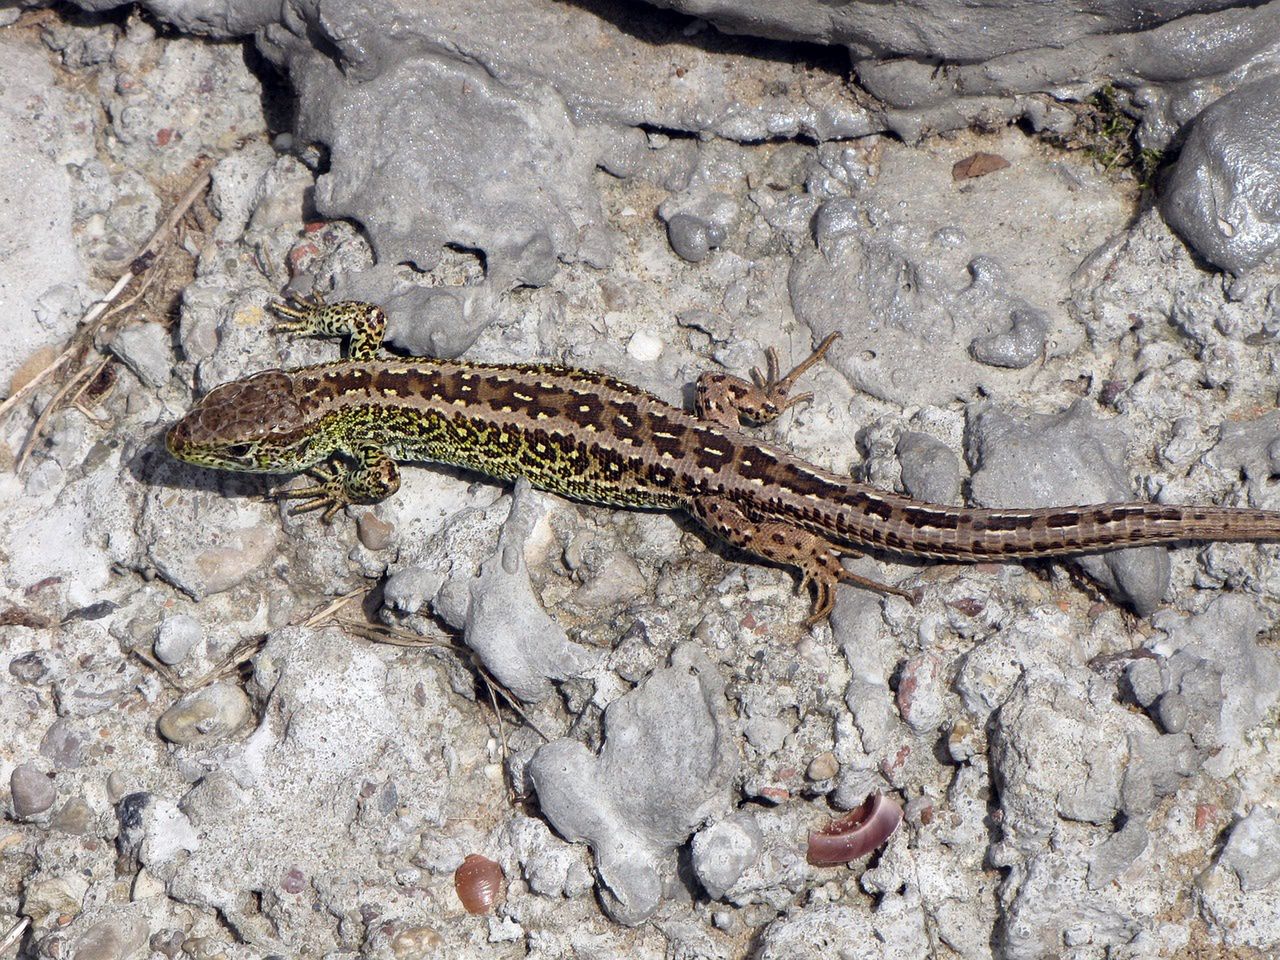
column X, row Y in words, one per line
column 1019, row 346
column 644, row 346
column 415, row 943
column 930, row 469
column 64, row 745
column 920, row 693
column 116, row 938
column 1252, row 850
column 374, row 532
column 176, row 638
column 822, row 767
column 145, row 349
column 724, row 851
column 692, row 237
column 32, row 791
column 29, row 667
column 75, row 817
column 1221, row 194
column 167, row 942
column 215, row 711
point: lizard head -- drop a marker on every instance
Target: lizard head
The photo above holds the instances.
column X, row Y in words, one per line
column 254, row 424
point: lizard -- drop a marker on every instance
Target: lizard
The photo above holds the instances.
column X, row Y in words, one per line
column 594, row 438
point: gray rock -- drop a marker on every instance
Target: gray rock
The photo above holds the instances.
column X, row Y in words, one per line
column 423, row 321
column 39, row 126
column 698, row 221
column 930, row 469
column 514, row 181
column 1117, row 853
column 1145, row 681
column 211, row 713
column 1019, row 346
column 938, row 29
column 724, row 851
column 691, row 237
column 176, row 637
column 1223, row 196
column 64, row 745
column 545, row 860
column 503, row 620
column 1252, row 850
column 1174, row 712
column 836, row 218
column 1227, row 681
column 896, row 930
column 145, row 349
column 665, row 766
column 119, row 937
column 1248, row 448
column 906, row 322
column 31, row 791
column 1043, row 460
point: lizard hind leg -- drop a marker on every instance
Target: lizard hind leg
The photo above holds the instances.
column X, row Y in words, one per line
column 728, row 399
column 817, row 559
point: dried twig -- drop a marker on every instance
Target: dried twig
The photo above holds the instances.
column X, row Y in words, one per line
column 377, row 633
column 15, row 934
column 330, row 610
column 103, row 312
column 79, row 378
column 240, row 653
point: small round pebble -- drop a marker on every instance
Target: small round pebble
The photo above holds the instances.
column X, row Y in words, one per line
column 75, row 817
column 1174, row 712
column 644, row 346
column 823, row 767
column 374, row 532
column 29, row 667
column 112, row 939
column 167, row 942
column 215, row 711
column 415, row 943
column 689, row 236
column 176, row 638
column 33, row 793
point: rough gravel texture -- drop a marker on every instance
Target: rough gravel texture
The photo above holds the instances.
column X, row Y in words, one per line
column 229, row 732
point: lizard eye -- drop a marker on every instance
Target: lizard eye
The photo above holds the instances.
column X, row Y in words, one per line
column 238, row 451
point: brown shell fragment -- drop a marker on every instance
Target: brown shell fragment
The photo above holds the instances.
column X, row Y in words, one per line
column 978, row 165
column 856, row 834
column 478, row 882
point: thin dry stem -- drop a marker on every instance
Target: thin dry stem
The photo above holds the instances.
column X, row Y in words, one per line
column 102, row 312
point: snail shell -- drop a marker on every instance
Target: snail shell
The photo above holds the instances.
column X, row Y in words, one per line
column 856, row 834
column 478, row 882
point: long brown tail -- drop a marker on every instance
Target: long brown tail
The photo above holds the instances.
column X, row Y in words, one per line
column 901, row 525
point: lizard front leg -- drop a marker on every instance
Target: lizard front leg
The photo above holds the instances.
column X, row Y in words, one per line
column 375, row 477
column 364, row 323
column 727, row 399
column 817, row 559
